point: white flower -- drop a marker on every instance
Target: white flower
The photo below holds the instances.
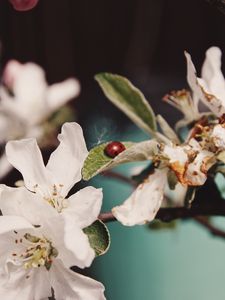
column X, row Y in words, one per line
column 33, row 100
column 27, row 101
column 34, row 260
column 183, row 101
column 196, row 171
column 144, row 202
column 212, row 79
column 210, row 88
column 192, row 160
column 51, row 183
column 52, row 226
column 190, row 164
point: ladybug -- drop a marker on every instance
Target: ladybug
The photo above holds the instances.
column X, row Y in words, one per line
column 114, row 148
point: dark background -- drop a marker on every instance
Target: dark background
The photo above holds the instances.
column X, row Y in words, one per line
column 141, row 39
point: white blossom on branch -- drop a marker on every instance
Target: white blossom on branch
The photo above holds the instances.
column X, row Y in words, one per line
column 37, row 258
column 43, row 235
column 26, row 102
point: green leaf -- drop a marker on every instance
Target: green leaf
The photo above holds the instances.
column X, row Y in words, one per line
column 121, row 92
column 97, row 161
column 167, row 130
column 99, row 237
column 158, row 225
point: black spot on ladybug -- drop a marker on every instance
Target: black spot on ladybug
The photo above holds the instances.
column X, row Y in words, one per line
column 114, row 148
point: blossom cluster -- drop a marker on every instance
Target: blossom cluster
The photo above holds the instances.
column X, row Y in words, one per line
column 27, row 102
column 189, row 158
column 43, row 226
column 41, row 230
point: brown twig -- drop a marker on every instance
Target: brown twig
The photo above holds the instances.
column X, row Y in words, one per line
column 211, row 228
column 170, row 214
column 196, row 212
column 106, row 217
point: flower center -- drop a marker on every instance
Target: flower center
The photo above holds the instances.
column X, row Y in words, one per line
column 34, row 252
column 56, row 199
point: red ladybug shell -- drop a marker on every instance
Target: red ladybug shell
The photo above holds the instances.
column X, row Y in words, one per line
column 114, row 148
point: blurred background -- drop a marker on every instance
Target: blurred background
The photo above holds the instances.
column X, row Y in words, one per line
column 143, row 40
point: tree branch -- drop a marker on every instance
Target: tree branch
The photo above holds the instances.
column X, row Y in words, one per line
column 208, row 202
column 106, row 217
column 211, row 228
column 170, row 214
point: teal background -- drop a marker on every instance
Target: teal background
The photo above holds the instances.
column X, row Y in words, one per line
column 143, row 264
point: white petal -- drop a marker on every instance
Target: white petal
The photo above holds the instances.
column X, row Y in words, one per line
column 69, row 285
column 85, row 206
column 76, row 241
column 16, row 287
column 218, row 136
column 11, row 125
column 6, row 126
column 36, row 131
column 26, row 157
column 33, row 101
column 194, row 144
column 70, row 241
column 212, row 75
column 199, row 93
column 192, row 80
column 11, row 72
column 21, row 202
column 66, row 161
column 60, row 93
column 41, row 287
column 25, row 285
column 29, row 87
column 144, row 203
column 196, row 172
column 11, row 223
column 176, row 197
column 175, row 154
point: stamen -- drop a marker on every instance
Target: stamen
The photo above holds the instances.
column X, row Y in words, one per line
column 38, row 252
column 56, row 200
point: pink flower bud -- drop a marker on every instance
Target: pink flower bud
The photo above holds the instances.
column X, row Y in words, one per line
column 23, row 5
column 11, row 73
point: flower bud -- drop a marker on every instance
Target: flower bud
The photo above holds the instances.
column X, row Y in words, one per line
column 23, row 5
